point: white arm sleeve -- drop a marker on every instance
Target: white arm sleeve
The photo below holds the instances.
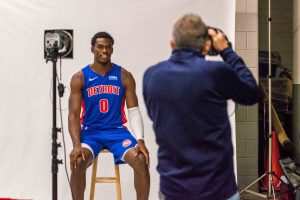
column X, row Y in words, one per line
column 136, row 122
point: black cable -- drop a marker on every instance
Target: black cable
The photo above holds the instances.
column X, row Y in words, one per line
column 50, row 94
column 63, row 137
column 64, row 146
column 60, row 67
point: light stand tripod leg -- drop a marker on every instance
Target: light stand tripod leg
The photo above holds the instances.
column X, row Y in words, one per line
column 257, row 194
column 273, row 190
column 271, row 184
column 253, row 183
column 272, row 194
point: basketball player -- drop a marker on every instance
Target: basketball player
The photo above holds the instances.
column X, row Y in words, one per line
column 101, row 89
column 186, row 98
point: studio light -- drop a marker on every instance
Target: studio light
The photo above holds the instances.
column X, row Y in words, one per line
column 60, row 39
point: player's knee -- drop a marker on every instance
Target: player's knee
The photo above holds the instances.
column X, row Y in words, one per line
column 140, row 161
column 80, row 165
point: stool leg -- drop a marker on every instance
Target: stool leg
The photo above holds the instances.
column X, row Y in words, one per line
column 118, row 182
column 93, row 179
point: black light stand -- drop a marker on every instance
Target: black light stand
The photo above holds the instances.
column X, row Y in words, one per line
column 52, row 56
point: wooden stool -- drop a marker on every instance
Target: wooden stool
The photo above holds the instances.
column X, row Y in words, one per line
column 95, row 179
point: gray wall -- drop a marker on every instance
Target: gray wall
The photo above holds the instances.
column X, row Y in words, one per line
column 247, row 116
column 281, row 28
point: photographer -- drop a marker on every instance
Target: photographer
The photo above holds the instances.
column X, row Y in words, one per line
column 186, row 98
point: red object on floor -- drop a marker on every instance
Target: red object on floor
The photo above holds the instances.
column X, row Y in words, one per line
column 6, row 199
column 286, row 192
column 275, row 164
column 2, row 198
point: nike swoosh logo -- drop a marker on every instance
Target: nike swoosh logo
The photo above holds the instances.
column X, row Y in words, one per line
column 91, row 79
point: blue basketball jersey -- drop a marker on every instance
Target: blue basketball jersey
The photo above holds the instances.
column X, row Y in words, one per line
column 103, row 99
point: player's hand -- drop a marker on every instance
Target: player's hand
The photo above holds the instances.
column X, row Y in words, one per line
column 75, row 153
column 218, row 38
column 141, row 148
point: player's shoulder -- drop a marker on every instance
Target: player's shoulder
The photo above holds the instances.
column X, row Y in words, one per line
column 123, row 70
column 127, row 77
column 77, row 78
column 78, row 75
column 125, row 73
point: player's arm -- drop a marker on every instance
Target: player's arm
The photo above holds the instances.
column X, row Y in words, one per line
column 75, row 99
column 134, row 114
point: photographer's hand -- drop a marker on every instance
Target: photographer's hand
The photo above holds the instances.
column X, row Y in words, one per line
column 219, row 40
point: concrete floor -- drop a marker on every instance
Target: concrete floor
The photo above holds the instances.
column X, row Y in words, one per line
column 248, row 196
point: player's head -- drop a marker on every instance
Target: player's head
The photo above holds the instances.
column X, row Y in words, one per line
column 102, row 35
column 102, row 47
column 189, row 31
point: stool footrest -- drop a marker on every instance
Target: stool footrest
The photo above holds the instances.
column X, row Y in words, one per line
column 108, row 179
column 105, row 180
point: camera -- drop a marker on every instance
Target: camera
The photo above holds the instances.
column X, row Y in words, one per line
column 213, row 51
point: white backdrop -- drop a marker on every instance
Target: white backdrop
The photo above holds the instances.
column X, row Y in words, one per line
column 141, row 29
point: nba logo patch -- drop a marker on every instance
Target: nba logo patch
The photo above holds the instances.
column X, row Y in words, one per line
column 126, row 143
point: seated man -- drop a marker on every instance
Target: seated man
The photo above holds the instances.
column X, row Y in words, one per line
column 102, row 88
